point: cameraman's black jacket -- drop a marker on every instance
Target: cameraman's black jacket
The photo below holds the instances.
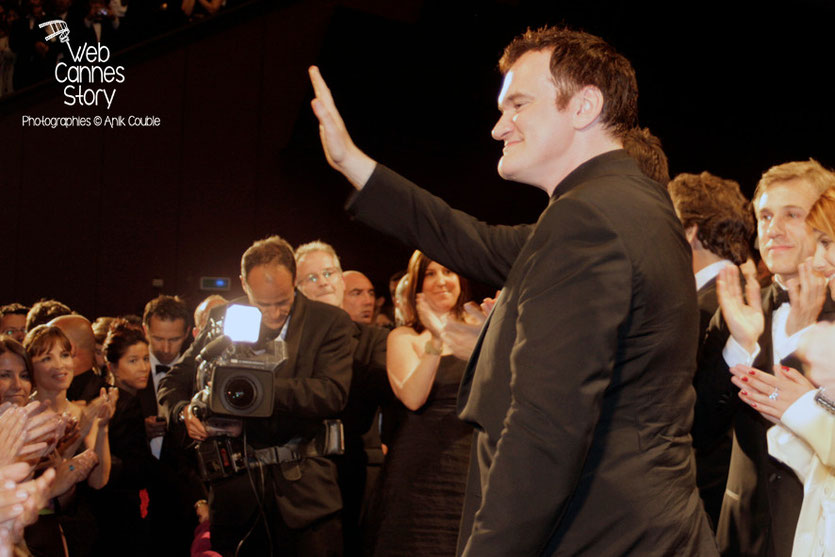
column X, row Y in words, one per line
column 311, row 385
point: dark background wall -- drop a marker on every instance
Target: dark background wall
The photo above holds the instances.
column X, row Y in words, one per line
column 91, row 216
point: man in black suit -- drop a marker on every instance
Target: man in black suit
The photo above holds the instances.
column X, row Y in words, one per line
column 174, row 487
column 762, row 499
column 298, row 500
column 319, row 277
column 580, row 383
column 719, row 226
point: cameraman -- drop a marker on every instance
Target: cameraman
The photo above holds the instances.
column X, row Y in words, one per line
column 299, row 500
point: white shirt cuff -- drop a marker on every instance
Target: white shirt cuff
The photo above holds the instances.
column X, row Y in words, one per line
column 734, row 353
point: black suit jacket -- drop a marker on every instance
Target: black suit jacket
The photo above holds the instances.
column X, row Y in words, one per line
column 311, row 385
column 582, row 379
column 713, row 459
column 763, row 496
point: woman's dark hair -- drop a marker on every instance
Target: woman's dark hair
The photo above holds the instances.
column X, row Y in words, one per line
column 417, row 272
column 10, row 345
column 120, row 337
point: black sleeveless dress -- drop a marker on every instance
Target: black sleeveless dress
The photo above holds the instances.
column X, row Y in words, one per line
column 425, row 474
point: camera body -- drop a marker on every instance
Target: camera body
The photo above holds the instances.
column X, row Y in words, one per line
column 237, row 378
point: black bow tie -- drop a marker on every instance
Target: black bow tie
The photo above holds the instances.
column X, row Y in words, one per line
column 161, row 368
column 779, row 296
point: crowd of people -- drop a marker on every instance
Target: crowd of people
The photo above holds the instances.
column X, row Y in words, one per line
column 686, row 405
column 83, row 435
column 27, row 57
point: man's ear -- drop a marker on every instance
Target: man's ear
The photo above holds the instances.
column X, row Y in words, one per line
column 692, row 235
column 588, row 104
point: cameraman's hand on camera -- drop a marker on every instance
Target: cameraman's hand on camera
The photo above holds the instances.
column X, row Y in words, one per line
column 196, row 429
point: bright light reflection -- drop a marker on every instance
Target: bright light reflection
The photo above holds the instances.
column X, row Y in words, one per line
column 242, row 323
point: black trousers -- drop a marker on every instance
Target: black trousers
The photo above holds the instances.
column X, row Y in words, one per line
column 236, row 515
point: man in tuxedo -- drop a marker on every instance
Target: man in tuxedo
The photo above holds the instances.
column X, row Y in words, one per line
column 174, row 487
column 580, row 385
column 297, row 501
column 165, row 321
column 319, row 276
column 719, row 226
column 762, row 499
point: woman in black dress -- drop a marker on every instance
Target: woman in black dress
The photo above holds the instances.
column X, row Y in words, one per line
column 426, row 467
column 117, row 506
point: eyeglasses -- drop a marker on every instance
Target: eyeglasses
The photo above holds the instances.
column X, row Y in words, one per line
column 313, row 278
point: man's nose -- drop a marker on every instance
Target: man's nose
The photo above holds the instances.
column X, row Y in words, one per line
column 776, row 227
column 502, row 127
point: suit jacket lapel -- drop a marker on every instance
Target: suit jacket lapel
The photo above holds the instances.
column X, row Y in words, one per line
column 765, row 359
column 469, row 371
column 294, row 332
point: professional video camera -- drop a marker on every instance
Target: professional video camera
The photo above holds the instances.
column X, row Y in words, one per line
column 235, row 376
column 236, row 379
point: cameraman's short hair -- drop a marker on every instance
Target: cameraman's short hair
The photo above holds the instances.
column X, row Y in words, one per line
column 811, row 172
column 269, row 250
column 303, row 250
column 45, row 311
column 716, row 205
column 167, row 308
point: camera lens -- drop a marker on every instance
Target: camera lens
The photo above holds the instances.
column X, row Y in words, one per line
column 240, row 393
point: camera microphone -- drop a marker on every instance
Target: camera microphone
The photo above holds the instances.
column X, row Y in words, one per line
column 214, row 348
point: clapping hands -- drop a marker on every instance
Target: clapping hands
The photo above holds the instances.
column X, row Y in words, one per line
column 745, row 319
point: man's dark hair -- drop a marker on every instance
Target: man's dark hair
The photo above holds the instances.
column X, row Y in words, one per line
column 645, row 148
column 45, row 311
column 13, row 309
column 269, row 250
column 723, row 215
column 579, row 59
column 167, row 308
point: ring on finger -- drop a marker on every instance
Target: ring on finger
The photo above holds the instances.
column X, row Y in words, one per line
column 774, row 394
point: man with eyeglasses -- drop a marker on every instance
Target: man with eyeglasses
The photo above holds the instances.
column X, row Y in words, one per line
column 13, row 320
column 319, row 277
column 319, row 274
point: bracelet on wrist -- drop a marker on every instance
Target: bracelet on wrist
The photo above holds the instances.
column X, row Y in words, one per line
column 824, row 402
column 430, row 348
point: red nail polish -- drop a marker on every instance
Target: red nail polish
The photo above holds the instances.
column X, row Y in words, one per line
column 751, row 372
column 744, row 393
column 753, row 404
column 785, row 368
column 744, row 378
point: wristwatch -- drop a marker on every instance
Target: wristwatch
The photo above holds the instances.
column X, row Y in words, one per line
column 824, row 402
